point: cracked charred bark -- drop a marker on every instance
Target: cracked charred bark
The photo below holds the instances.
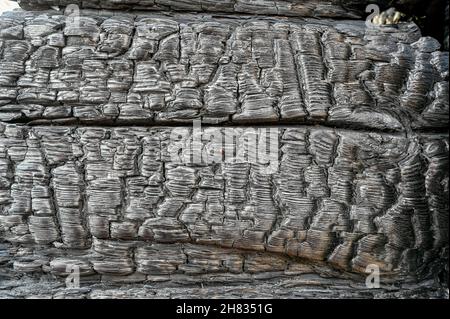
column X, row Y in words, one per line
column 88, row 178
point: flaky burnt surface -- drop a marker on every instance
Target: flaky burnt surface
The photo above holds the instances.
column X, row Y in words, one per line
column 311, row 8
column 125, row 200
column 157, row 69
column 109, row 192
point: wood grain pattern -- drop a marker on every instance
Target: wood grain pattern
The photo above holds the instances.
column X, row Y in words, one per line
column 96, row 119
column 316, row 8
column 142, row 69
column 349, row 199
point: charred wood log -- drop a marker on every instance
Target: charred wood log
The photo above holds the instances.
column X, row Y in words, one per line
column 140, row 69
column 323, row 152
column 132, row 200
column 317, row 8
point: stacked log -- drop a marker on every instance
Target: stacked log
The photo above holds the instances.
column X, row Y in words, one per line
column 102, row 165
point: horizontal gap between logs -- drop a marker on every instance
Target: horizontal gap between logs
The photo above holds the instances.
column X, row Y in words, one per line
column 280, row 124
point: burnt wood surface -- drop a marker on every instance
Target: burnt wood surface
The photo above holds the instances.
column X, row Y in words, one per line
column 117, row 203
column 317, row 8
column 97, row 170
column 155, row 69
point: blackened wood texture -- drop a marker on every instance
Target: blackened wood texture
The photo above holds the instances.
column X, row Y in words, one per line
column 159, row 69
column 316, row 8
column 129, row 201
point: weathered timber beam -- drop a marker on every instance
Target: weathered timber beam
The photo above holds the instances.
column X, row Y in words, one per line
column 133, row 200
column 311, row 8
column 151, row 69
